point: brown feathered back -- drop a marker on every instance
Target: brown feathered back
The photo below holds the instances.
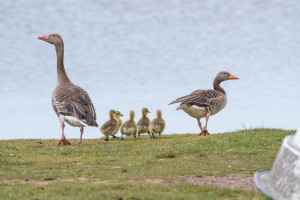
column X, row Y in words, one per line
column 71, row 100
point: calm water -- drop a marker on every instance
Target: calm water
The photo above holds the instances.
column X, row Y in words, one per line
column 129, row 54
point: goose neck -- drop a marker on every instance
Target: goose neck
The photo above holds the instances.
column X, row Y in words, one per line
column 61, row 72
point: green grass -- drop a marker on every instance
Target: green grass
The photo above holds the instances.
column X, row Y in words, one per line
column 105, row 168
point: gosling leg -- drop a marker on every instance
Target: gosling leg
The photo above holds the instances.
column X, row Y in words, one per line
column 115, row 137
column 150, row 135
column 153, row 136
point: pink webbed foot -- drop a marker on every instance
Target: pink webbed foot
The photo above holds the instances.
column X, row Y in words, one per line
column 204, row 133
column 63, row 142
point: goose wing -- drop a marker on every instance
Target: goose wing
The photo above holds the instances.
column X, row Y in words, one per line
column 201, row 98
column 109, row 126
column 74, row 101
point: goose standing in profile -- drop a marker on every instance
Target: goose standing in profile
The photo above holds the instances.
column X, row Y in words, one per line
column 204, row 103
column 71, row 103
column 143, row 123
column 157, row 125
column 129, row 127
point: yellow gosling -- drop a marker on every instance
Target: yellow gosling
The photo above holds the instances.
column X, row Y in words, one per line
column 109, row 127
column 157, row 125
column 143, row 123
column 118, row 115
column 129, row 127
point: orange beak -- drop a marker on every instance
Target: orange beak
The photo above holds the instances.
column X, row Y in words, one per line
column 45, row 38
column 233, row 77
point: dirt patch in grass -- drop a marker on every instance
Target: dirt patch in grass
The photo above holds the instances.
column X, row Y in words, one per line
column 48, row 181
column 232, row 182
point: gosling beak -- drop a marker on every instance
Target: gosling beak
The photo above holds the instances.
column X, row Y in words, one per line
column 45, row 38
column 148, row 111
column 122, row 115
column 233, row 77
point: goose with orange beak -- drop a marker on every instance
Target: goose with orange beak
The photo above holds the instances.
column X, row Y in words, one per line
column 204, row 103
column 70, row 102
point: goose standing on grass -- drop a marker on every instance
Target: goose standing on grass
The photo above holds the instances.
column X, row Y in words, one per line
column 204, row 103
column 157, row 125
column 110, row 127
column 71, row 103
column 129, row 127
column 143, row 123
column 118, row 115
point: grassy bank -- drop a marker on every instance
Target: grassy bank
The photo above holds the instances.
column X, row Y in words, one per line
column 135, row 169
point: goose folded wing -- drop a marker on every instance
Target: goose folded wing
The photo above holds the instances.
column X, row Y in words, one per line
column 204, row 98
column 79, row 106
column 106, row 127
column 190, row 97
column 196, row 100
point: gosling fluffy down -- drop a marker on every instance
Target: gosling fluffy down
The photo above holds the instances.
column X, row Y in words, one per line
column 118, row 115
column 129, row 127
column 110, row 127
column 143, row 123
column 157, row 125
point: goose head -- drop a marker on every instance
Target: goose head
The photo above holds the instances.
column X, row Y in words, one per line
column 158, row 114
column 118, row 114
column 54, row 39
column 224, row 76
column 145, row 111
column 131, row 115
column 112, row 114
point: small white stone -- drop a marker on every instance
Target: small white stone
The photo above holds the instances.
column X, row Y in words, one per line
column 11, row 154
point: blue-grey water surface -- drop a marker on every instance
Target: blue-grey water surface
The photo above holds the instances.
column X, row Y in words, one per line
column 129, row 54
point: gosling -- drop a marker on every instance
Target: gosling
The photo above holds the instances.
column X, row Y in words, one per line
column 143, row 123
column 109, row 127
column 129, row 127
column 157, row 125
column 118, row 115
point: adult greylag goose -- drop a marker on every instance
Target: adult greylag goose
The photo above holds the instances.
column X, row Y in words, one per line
column 129, row 127
column 71, row 103
column 110, row 126
column 204, row 103
column 143, row 123
column 157, row 125
column 118, row 115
